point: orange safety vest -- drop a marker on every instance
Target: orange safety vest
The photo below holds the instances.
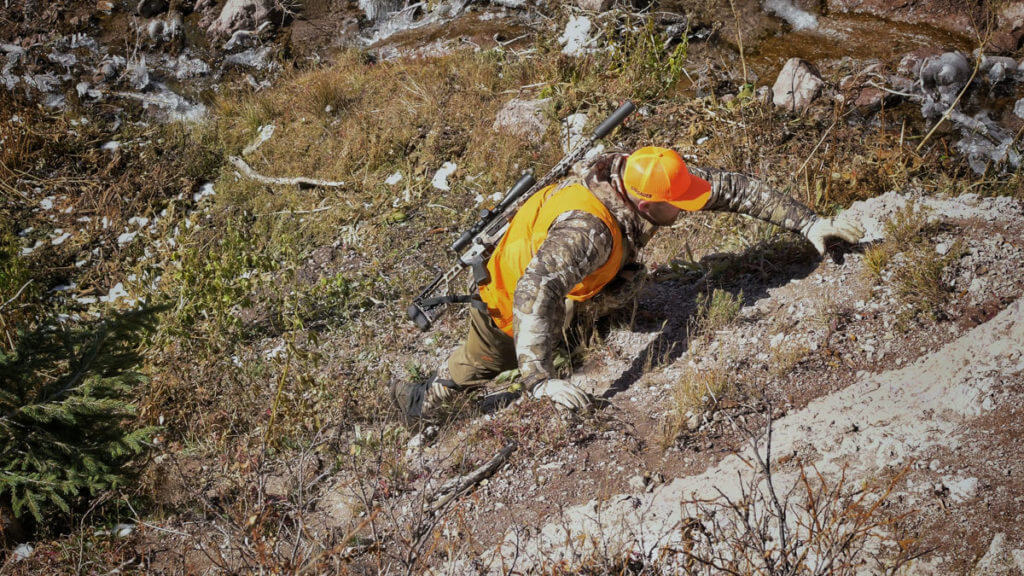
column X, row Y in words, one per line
column 525, row 234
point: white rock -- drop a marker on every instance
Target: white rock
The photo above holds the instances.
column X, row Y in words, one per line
column 523, row 118
column 572, row 131
column 962, row 490
column 797, row 86
column 440, row 180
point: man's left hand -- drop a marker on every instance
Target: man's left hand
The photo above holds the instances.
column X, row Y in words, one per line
column 839, row 227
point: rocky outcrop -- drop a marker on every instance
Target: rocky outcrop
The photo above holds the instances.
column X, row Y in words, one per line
column 798, row 84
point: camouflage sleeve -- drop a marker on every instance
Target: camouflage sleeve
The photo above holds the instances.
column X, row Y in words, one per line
column 577, row 244
column 732, row 192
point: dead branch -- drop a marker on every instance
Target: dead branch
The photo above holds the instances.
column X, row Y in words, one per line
column 457, row 486
column 300, row 181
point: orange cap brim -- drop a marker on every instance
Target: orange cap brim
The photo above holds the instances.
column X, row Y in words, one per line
column 695, row 197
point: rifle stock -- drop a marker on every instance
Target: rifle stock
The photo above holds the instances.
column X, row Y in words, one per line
column 485, row 234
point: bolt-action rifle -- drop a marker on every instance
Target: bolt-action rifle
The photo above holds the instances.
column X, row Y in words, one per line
column 488, row 231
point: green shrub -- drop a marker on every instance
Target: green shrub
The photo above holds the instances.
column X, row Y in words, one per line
column 65, row 415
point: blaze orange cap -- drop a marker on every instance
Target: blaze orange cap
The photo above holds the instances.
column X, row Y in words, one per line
column 657, row 174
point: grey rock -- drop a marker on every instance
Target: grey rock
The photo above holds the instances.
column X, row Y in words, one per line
column 524, row 118
column 151, row 8
column 797, row 86
column 1018, row 108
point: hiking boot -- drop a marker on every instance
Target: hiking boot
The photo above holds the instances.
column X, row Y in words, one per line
column 422, row 399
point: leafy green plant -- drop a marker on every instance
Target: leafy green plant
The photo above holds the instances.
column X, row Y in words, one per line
column 65, row 414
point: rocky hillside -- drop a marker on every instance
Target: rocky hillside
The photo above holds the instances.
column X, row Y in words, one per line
column 215, row 212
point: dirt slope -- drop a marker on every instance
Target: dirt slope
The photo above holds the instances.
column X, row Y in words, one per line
column 865, row 395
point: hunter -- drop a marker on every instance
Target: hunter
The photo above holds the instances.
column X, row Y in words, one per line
column 579, row 240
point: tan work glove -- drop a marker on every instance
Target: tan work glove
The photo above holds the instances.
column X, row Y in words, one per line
column 839, row 227
column 563, row 393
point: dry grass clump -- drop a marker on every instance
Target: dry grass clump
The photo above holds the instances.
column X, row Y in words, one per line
column 695, row 396
column 917, row 268
column 716, row 311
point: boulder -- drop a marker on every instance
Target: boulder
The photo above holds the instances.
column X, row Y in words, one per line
column 798, row 84
column 151, row 8
column 524, row 118
column 241, row 15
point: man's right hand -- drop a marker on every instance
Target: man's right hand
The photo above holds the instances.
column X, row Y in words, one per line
column 563, row 393
column 840, row 227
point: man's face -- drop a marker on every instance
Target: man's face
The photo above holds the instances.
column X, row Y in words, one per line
column 659, row 213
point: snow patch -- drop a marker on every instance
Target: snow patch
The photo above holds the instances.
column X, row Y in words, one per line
column 576, row 40
column 797, row 18
column 440, row 180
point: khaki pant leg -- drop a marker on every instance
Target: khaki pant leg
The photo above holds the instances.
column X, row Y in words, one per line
column 486, row 353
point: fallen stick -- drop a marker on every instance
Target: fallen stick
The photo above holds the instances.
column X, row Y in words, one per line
column 300, row 181
column 456, row 486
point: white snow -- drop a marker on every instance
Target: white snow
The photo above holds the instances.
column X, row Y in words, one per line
column 394, row 179
column 112, row 146
column 27, row 251
column 204, row 191
column 116, row 293
column 47, row 203
column 126, row 237
column 440, row 180
column 60, row 239
column 576, row 39
column 797, row 18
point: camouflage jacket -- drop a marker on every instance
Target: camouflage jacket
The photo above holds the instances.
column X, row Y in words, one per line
column 578, row 243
